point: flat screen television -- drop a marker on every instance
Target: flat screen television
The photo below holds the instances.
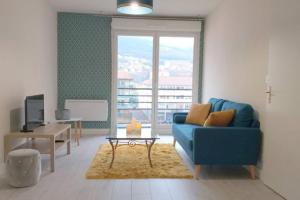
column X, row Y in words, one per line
column 34, row 112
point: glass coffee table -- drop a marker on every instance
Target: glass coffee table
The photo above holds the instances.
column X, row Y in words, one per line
column 119, row 137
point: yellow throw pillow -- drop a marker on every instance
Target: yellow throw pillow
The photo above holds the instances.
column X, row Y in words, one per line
column 198, row 114
column 222, row 118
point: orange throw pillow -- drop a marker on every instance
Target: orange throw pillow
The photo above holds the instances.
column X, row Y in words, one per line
column 198, row 114
column 222, row 118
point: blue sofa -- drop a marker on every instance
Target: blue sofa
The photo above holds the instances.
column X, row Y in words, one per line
column 237, row 144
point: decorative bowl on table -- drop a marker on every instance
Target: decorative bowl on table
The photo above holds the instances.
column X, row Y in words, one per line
column 134, row 128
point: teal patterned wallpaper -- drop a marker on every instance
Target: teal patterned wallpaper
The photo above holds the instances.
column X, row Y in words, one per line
column 84, row 59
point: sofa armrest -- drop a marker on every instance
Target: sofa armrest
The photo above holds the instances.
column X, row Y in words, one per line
column 179, row 117
column 226, row 145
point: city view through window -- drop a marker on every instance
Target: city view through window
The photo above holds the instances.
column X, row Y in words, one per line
column 136, row 89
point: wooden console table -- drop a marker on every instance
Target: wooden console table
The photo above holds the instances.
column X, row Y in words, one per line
column 42, row 139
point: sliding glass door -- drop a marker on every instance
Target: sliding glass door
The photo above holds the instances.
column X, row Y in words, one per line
column 175, row 77
column 156, row 75
column 134, row 79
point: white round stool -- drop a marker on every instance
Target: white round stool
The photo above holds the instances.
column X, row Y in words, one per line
column 23, row 167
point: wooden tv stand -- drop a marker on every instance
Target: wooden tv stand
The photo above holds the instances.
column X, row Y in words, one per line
column 42, row 139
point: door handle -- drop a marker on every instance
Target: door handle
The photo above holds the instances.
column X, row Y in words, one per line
column 269, row 93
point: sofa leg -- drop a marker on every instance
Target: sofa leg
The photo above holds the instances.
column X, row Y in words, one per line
column 252, row 171
column 197, row 171
column 174, row 142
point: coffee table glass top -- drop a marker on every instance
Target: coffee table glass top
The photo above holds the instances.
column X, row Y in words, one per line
column 120, row 133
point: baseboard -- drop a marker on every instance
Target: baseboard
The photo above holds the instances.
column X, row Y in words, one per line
column 88, row 131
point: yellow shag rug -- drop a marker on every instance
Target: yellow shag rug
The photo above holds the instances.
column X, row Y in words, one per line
column 132, row 162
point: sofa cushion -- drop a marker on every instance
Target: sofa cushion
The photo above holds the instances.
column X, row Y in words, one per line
column 179, row 117
column 221, row 118
column 216, row 104
column 184, row 134
column 198, row 114
column 243, row 113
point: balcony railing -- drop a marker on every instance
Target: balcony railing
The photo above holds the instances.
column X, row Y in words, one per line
column 137, row 103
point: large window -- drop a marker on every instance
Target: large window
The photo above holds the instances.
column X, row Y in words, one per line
column 175, row 76
column 134, row 83
column 155, row 77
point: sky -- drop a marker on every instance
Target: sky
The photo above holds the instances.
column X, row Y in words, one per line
column 177, row 42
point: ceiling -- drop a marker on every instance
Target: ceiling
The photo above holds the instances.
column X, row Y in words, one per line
column 188, row 8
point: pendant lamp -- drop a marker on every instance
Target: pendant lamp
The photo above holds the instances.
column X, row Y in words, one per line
column 135, row 7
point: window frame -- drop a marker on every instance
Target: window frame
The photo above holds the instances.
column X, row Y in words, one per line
column 166, row 128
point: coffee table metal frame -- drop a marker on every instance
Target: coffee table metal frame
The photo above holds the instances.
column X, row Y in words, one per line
column 115, row 141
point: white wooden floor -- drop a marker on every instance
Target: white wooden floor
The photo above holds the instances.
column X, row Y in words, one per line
column 68, row 182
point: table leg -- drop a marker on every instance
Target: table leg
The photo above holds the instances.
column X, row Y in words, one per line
column 147, row 144
column 113, row 153
column 52, row 153
column 76, row 124
column 79, row 132
column 117, row 144
column 80, row 128
column 149, row 151
column 69, row 141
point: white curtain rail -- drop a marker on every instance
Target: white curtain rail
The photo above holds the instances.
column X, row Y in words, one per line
column 156, row 25
column 176, row 18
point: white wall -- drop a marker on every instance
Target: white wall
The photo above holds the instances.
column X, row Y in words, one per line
column 244, row 41
column 28, row 63
column 236, row 50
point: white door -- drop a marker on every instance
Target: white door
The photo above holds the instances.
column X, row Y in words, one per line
column 281, row 156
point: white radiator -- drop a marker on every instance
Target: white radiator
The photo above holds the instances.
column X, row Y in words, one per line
column 88, row 110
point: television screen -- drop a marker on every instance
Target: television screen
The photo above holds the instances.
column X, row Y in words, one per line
column 34, row 112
